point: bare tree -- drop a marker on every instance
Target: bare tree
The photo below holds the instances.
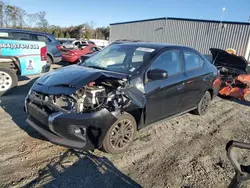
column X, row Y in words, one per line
column 42, row 21
column 89, row 30
column 10, row 16
column 21, row 17
column 31, row 20
column 1, row 14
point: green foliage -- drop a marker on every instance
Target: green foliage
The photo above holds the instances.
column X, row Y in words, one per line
column 61, row 34
column 67, row 35
column 56, row 33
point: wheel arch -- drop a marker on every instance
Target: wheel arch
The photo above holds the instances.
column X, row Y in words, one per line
column 51, row 56
column 11, row 62
column 211, row 91
column 139, row 117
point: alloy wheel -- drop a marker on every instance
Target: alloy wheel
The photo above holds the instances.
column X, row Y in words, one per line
column 205, row 103
column 121, row 134
column 5, row 81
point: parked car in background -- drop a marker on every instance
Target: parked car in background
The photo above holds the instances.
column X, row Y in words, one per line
column 65, row 43
column 19, row 57
column 74, row 55
column 53, row 47
column 75, row 43
column 125, row 87
column 100, row 42
column 85, row 57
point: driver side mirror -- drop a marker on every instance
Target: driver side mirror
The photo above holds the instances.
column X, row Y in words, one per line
column 157, row 74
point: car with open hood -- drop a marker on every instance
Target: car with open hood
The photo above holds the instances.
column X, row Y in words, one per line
column 102, row 102
column 234, row 73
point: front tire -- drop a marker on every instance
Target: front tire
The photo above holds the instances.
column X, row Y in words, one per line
column 120, row 135
column 8, row 80
column 203, row 104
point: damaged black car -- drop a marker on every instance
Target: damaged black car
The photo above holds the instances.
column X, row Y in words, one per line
column 102, row 102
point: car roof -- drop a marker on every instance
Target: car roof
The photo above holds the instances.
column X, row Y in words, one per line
column 24, row 31
column 153, row 45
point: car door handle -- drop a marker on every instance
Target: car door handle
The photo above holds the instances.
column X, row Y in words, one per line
column 181, row 86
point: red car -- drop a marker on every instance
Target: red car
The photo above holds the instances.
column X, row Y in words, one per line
column 74, row 55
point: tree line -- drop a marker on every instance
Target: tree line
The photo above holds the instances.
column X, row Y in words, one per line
column 15, row 17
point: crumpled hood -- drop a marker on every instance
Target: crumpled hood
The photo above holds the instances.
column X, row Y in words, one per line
column 222, row 58
column 68, row 79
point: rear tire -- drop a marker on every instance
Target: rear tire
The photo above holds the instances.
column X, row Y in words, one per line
column 247, row 98
column 120, row 135
column 203, row 104
column 8, row 80
column 78, row 61
column 49, row 63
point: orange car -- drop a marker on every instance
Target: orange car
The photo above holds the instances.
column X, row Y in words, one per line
column 235, row 78
column 74, row 55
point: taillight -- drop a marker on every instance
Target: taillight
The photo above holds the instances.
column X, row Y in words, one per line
column 72, row 53
column 43, row 53
column 58, row 47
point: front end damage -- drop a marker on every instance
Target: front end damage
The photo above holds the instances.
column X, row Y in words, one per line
column 80, row 117
column 235, row 80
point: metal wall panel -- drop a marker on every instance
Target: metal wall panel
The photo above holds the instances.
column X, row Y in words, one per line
column 200, row 35
column 146, row 31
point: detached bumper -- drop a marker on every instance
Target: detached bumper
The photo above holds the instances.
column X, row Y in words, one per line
column 52, row 137
column 80, row 131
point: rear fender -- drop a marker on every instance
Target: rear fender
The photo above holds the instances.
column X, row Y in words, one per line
column 51, row 56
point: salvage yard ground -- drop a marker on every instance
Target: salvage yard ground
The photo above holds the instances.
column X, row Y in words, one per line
column 187, row 151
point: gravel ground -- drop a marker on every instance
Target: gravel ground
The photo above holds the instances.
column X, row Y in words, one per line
column 187, row 151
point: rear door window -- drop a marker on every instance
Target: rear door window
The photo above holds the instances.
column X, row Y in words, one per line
column 169, row 61
column 192, row 61
column 21, row 36
column 43, row 38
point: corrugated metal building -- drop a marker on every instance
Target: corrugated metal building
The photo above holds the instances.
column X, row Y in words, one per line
column 198, row 34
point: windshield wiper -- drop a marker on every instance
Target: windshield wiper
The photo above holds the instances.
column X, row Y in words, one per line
column 96, row 67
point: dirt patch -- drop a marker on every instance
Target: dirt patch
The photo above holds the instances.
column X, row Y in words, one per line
column 187, row 151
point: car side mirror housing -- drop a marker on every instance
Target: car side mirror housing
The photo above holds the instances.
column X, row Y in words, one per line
column 157, row 74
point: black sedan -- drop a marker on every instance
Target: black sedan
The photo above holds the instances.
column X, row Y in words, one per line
column 123, row 88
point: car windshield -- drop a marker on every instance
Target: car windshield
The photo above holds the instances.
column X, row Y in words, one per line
column 120, row 58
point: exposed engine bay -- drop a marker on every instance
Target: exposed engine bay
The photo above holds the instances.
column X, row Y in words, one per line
column 98, row 95
column 91, row 97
